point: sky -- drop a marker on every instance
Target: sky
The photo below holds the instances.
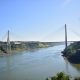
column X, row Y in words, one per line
column 39, row 20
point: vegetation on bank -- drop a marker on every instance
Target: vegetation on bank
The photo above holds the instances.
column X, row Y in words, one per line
column 62, row 76
column 72, row 53
column 23, row 45
column 18, row 45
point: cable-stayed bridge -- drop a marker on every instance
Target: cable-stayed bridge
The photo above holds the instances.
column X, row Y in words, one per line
column 6, row 40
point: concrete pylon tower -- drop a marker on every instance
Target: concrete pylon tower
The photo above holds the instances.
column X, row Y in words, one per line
column 65, row 37
column 8, row 43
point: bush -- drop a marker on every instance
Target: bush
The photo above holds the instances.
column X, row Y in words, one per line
column 61, row 76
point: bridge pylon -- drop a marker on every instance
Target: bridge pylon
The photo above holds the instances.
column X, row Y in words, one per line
column 65, row 37
column 8, row 43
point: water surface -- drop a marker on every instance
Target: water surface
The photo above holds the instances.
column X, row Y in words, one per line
column 36, row 65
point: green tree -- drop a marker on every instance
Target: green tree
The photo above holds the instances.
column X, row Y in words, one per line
column 60, row 76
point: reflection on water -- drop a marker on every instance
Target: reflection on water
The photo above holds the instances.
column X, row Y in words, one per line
column 77, row 66
column 66, row 65
column 35, row 65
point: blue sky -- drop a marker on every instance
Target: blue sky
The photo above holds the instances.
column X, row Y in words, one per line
column 39, row 20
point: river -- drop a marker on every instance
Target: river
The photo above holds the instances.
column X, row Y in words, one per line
column 36, row 64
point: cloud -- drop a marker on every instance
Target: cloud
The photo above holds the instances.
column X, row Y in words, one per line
column 66, row 2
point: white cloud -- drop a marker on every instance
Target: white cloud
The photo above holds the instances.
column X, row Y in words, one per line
column 66, row 2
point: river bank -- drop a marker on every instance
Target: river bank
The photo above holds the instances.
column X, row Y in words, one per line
column 72, row 53
column 24, row 46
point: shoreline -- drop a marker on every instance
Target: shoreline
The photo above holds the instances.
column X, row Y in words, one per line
column 20, row 50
